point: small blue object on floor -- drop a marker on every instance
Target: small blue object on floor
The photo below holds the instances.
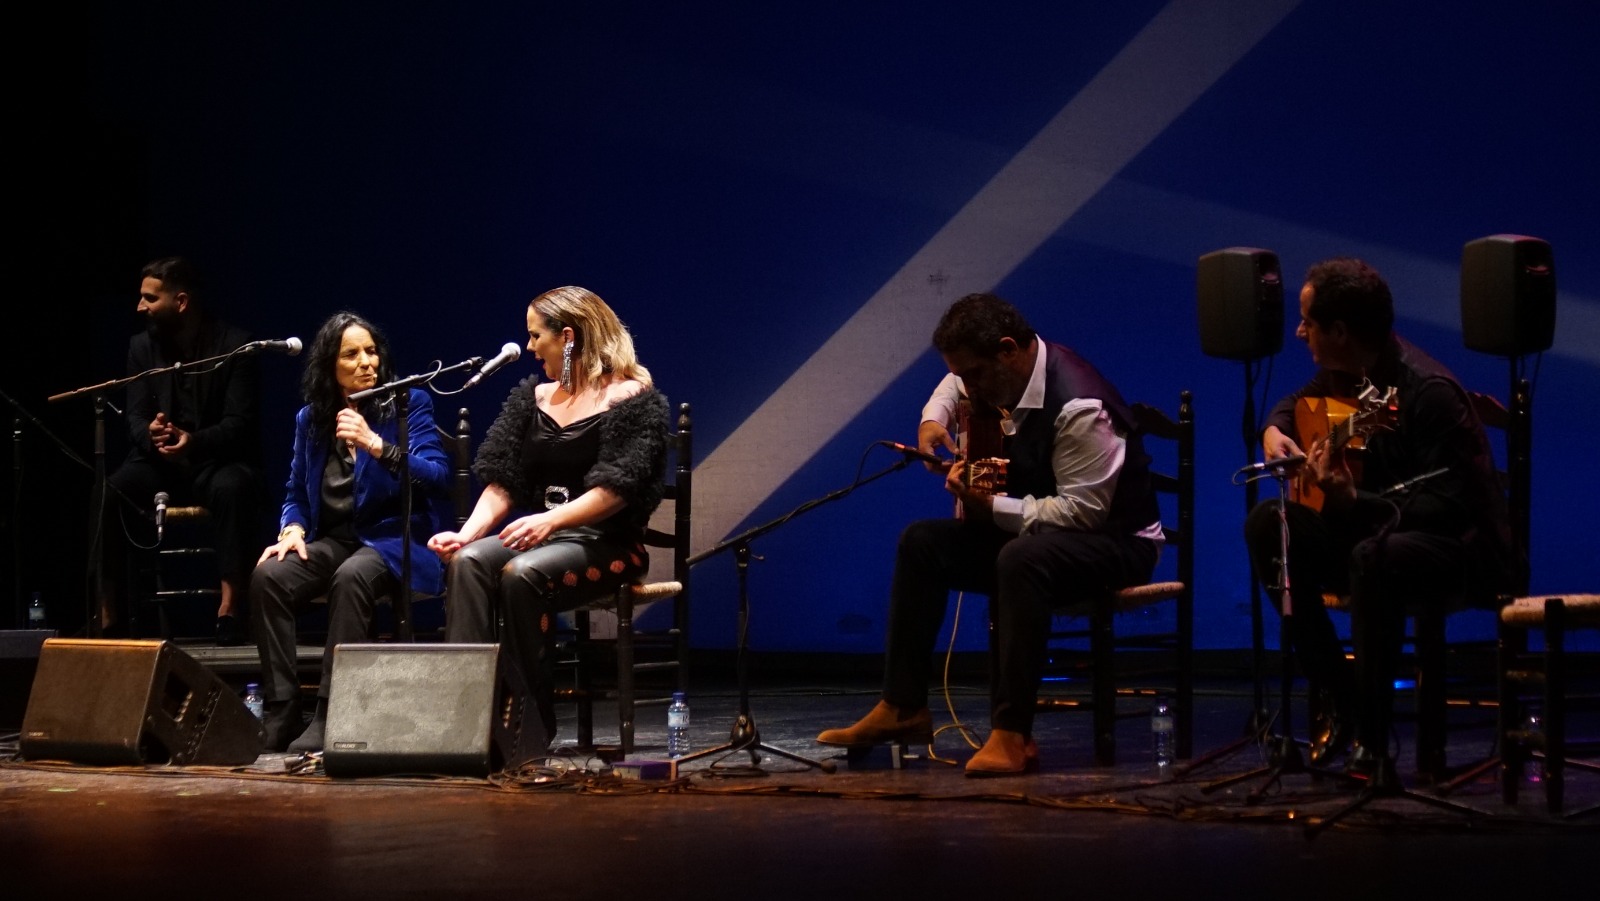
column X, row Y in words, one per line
column 887, row 756
column 645, row 770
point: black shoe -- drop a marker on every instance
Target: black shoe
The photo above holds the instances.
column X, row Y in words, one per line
column 1331, row 734
column 230, row 631
column 310, row 740
column 283, row 721
column 1377, row 770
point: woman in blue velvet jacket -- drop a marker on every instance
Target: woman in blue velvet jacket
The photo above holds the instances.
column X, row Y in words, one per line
column 342, row 524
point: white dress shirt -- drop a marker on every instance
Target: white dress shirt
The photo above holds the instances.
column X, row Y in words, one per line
column 1086, row 456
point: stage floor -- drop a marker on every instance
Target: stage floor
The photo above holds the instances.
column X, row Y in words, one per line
column 785, row 829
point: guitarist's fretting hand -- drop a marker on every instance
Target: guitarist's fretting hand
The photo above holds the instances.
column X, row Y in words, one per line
column 976, row 499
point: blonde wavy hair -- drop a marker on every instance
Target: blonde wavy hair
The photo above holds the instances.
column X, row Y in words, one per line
column 602, row 343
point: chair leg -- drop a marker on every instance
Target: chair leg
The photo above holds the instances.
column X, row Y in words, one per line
column 1512, row 649
column 1185, row 662
column 625, row 668
column 1555, row 708
column 583, row 680
column 1105, row 685
column 1428, row 644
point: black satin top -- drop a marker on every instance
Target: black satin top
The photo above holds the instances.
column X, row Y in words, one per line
column 557, row 461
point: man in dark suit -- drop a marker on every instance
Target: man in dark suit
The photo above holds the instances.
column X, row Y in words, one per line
column 194, row 434
column 1444, row 540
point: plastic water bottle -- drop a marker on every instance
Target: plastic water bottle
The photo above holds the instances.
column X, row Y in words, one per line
column 1161, row 736
column 254, row 702
column 678, row 726
column 36, row 612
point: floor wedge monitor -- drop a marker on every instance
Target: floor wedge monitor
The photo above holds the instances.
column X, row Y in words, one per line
column 443, row 709
column 131, row 703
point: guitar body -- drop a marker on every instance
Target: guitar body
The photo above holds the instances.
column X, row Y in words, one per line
column 1318, row 420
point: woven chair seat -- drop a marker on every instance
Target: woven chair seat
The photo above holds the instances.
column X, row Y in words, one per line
column 643, row 592
column 1143, row 595
column 1581, row 610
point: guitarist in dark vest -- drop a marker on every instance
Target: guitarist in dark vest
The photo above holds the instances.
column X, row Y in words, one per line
column 1077, row 515
column 1445, row 537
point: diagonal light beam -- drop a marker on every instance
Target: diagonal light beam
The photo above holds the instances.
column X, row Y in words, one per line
column 1169, row 64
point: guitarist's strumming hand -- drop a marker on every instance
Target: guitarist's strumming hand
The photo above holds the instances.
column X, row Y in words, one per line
column 1275, row 445
column 1332, row 474
column 931, row 436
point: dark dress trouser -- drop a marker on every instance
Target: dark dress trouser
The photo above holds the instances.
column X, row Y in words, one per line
column 1027, row 578
column 353, row 576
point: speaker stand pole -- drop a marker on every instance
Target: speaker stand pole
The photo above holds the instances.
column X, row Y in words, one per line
column 21, row 619
column 1255, row 731
column 1519, row 471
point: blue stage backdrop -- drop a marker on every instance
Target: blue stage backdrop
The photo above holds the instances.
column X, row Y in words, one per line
column 780, row 200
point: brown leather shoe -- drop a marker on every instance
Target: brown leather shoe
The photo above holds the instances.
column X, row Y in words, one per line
column 1004, row 754
column 885, row 723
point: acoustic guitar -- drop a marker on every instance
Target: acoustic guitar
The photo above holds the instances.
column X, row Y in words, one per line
column 1343, row 425
column 980, row 439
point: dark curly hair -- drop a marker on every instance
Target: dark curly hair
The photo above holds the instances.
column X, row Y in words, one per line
column 1345, row 289
column 319, row 384
column 977, row 322
column 176, row 274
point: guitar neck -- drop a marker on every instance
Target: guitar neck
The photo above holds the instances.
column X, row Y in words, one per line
column 1340, row 434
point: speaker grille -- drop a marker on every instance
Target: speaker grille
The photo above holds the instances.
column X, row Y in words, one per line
column 133, row 702
column 447, row 708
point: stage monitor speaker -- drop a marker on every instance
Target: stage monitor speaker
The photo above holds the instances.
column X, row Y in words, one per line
column 1241, row 303
column 132, row 703
column 446, row 709
column 1508, row 295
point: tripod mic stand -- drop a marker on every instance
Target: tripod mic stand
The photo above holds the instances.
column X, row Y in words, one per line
column 745, row 736
column 1283, row 751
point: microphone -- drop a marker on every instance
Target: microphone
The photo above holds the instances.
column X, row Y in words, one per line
column 290, row 346
column 910, row 451
column 509, row 352
column 1406, row 485
column 161, row 514
column 1273, row 465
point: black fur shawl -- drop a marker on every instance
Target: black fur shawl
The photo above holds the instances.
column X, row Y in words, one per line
column 633, row 451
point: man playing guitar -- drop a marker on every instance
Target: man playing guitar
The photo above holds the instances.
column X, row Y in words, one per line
column 1077, row 515
column 1447, row 538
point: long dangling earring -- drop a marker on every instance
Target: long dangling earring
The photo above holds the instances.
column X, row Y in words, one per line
column 566, row 367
